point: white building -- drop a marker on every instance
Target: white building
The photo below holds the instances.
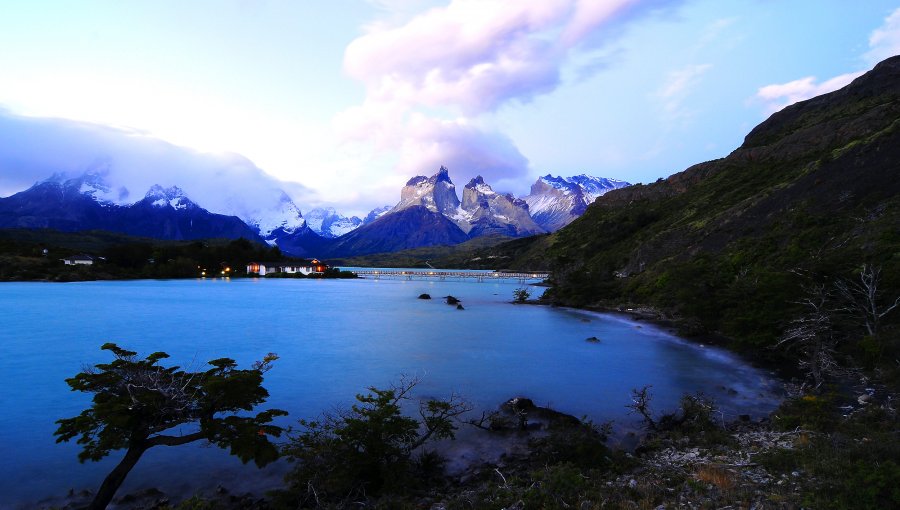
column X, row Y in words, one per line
column 78, row 260
column 264, row 268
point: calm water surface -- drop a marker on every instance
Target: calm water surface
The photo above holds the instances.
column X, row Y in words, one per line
column 334, row 338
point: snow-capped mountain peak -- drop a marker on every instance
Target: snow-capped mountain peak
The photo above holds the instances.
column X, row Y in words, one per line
column 90, row 183
column 436, row 193
column 555, row 202
column 489, row 212
column 173, row 197
column 276, row 218
column 328, row 223
column 376, row 213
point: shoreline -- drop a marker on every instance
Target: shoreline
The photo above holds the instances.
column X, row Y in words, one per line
column 779, row 368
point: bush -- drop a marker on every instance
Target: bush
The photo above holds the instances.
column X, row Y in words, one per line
column 521, row 295
column 366, row 450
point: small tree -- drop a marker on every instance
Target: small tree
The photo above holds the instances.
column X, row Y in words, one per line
column 365, row 449
column 521, row 295
column 137, row 401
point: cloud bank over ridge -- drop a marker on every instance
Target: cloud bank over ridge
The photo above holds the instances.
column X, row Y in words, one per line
column 131, row 162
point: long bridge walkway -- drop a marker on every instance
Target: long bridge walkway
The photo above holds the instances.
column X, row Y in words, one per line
column 439, row 274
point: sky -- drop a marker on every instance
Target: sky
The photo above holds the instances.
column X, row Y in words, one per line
column 339, row 103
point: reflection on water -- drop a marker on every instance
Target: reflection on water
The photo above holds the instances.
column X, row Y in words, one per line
column 335, row 338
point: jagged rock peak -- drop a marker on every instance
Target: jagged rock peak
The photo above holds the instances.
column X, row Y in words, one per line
column 479, row 184
column 442, row 175
column 436, row 193
column 327, row 222
column 172, row 196
column 417, row 180
column 376, row 213
column 157, row 191
column 489, row 212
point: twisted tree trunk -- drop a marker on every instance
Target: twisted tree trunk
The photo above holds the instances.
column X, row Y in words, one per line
column 114, row 479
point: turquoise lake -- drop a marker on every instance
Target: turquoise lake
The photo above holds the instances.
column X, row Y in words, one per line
column 334, row 338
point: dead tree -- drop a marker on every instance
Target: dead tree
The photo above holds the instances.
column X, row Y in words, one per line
column 861, row 299
column 812, row 333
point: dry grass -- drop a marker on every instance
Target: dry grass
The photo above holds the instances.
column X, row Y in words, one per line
column 719, row 476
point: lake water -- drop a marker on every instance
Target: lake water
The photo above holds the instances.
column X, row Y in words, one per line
column 335, row 338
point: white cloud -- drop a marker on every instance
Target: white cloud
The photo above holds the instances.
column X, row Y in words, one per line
column 780, row 95
column 884, row 42
column 676, row 89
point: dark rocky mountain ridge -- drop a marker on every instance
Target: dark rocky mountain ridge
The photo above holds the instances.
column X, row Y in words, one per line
column 161, row 214
column 813, row 190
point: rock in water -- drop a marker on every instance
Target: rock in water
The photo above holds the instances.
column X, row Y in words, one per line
column 451, row 300
column 424, row 296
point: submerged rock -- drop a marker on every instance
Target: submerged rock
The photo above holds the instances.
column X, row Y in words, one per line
column 460, row 307
column 593, row 340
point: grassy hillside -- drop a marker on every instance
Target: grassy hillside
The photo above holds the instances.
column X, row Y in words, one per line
column 727, row 246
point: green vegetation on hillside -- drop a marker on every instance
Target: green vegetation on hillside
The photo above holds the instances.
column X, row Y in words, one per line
column 729, row 246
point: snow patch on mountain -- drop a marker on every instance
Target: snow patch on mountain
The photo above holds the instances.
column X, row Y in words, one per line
column 278, row 217
column 173, row 197
column 376, row 213
column 328, row 223
column 555, row 202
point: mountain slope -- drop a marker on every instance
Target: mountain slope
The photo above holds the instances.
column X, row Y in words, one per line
column 411, row 227
column 814, row 191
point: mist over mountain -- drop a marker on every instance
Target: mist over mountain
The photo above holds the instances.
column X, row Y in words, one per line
column 81, row 203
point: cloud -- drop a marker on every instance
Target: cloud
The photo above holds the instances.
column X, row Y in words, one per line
column 884, row 42
column 475, row 55
column 780, row 95
column 681, row 81
column 35, row 148
column 463, row 148
column 436, row 73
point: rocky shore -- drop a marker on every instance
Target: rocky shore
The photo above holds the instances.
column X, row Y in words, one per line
column 687, row 459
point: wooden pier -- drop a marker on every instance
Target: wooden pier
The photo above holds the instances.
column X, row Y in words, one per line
column 438, row 274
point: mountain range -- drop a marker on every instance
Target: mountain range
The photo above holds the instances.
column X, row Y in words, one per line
column 429, row 213
column 83, row 204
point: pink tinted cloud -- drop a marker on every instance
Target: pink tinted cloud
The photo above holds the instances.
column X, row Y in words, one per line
column 476, row 54
column 461, row 61
column 463, row 148
column 780, row 95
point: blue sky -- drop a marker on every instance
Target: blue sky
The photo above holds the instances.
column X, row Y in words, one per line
column 343, row 101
